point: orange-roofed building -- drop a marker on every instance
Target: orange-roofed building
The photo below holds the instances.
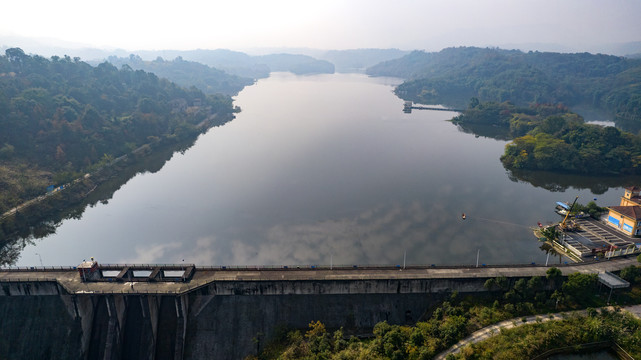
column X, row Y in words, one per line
column 627, row 216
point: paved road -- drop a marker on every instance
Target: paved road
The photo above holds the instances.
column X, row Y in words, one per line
column 634, row 310
column 41, row 197
column 492, row 330
column 70, row 279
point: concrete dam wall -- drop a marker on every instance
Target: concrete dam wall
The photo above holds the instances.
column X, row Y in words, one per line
column 36, row 323
column 252, row 313
column 216, row 314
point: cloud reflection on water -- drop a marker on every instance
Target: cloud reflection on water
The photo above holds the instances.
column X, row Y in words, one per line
column 428, row 233
column 379, row 235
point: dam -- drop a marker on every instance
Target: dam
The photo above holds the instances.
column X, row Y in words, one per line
column 183, row 311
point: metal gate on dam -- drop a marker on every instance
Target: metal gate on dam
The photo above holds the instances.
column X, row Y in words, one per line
column 101, row 311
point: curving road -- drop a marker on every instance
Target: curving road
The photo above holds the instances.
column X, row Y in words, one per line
column 492, row 330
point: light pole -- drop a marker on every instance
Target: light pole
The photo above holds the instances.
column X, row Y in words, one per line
column 40, row 257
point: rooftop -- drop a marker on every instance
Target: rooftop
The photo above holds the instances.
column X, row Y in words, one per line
column 635, row 199
column 612, row 281
column 633, row 212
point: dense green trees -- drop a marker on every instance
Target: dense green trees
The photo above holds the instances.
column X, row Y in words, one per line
column 631, row 274
column 550, row 233
column 60, row 116
column 456, row 318
column 549, row 137
column 578, row 287
column 453, row 75
column 459, row 316
column 528, row 341
column 560, row 145
column 591, row 209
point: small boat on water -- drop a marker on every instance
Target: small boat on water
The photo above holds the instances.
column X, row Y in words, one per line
column 562, row 208
column 463, row 216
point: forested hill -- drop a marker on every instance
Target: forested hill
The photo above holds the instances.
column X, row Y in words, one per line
column 241, row 64
column 231, row 62
column 454, row 75
column 297, row 64
column 551, row 138
column 60, row 117
column 187, row 73
column 211, row 80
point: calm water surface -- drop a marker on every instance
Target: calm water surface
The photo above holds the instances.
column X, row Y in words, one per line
column 318, row 169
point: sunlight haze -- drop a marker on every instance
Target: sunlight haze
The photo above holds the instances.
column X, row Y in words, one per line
column 404, row 24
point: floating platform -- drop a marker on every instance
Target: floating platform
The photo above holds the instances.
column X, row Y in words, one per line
column 595, row 238
column 409, row 106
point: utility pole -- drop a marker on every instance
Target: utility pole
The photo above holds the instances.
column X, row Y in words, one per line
column 40, row 257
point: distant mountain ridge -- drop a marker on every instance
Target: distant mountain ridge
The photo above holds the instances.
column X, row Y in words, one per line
column 296, row 60
column 187, row 73
column 360, row 59
column 232, row 62
column 297, row 64
column 244, row 65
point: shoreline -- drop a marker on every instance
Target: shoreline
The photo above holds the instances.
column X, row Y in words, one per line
column 66, row 197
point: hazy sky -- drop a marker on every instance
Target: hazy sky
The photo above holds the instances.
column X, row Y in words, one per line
column 323, row 24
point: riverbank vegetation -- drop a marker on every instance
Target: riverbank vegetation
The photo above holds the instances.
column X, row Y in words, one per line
column 43, row 217
column 453, row 75
column 595, row 211
column 443, row 326
column 551, row 138
column 61, row 118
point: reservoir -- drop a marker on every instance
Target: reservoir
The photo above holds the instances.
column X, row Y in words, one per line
column 324, row 169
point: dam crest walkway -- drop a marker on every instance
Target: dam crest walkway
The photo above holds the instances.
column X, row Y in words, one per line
column 184, row 278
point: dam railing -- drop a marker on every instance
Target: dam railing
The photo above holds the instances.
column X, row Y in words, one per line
column 296, row 267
